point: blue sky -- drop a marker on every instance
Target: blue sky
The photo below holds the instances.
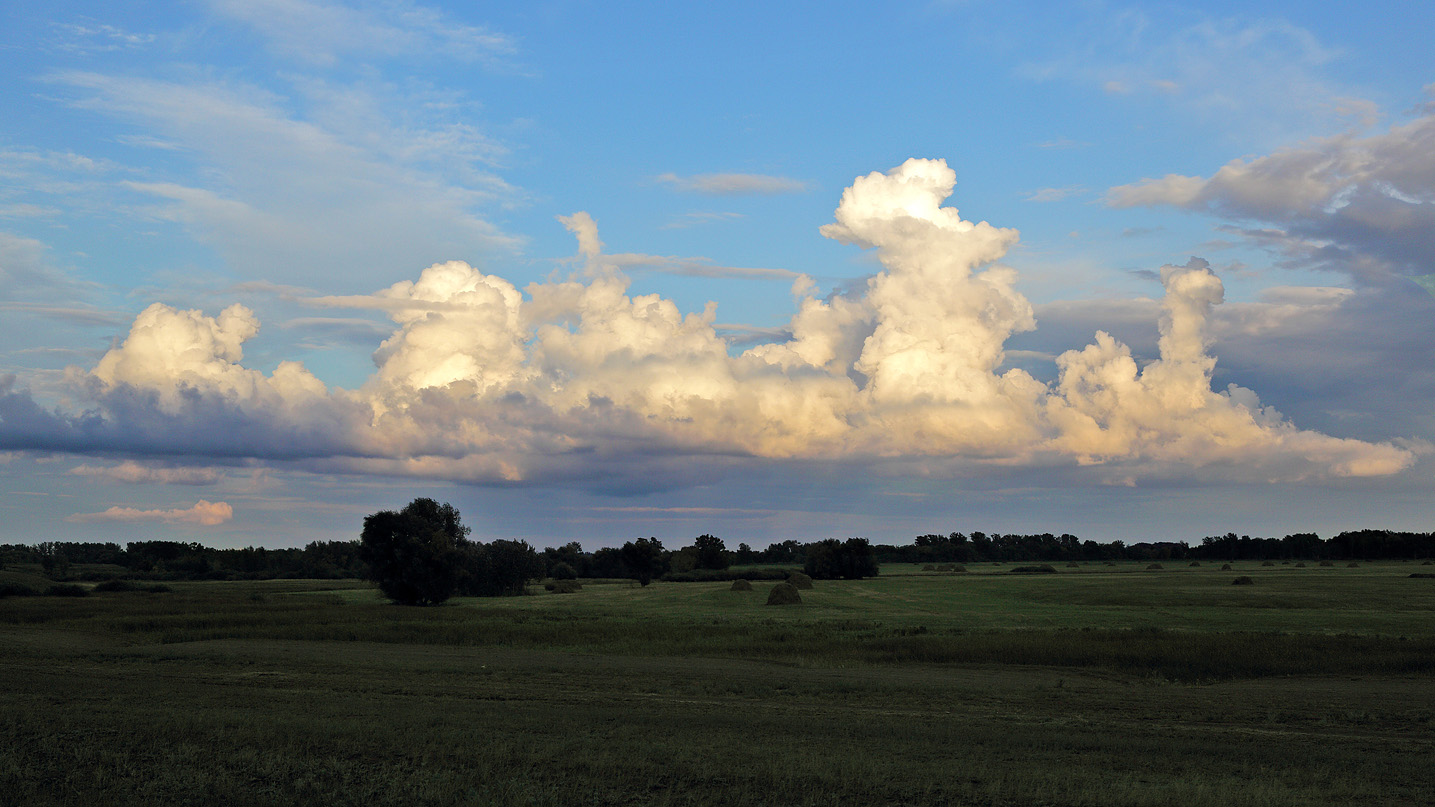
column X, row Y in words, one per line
column 594, row 272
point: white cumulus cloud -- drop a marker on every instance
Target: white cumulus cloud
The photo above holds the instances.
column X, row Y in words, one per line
column 202, row 513
column 577, row 380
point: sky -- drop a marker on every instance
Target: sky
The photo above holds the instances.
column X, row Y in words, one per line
column 769, row 271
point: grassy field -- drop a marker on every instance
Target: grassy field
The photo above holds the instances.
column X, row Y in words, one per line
column 1094, row 686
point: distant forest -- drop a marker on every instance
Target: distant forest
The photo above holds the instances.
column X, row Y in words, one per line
column 706, row 558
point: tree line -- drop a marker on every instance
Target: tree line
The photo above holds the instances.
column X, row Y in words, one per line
column 504, row 567
column 978, row 546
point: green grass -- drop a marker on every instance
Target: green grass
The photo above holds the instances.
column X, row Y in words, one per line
column 1093, row 686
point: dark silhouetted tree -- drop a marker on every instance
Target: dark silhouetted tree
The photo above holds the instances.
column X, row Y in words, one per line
column 711, row 552
column 832, row 559
column 644, row 559
column 417, row 555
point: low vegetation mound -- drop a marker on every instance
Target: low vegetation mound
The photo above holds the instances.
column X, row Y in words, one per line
column 77, row 590
column 799, row 580
column 1243, row 581
column 1268, row 563
column 1044, row 568
column 1195, row 563
column 1352, row 565
column 564, row 586
column 116, row 584
column 1225, row 567
column 929, row 568
column 12, row 589
column 1300, row 565
column 1154, row 567
column 741, row 585
column 784, row 594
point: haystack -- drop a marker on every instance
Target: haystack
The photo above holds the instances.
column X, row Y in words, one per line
column 799, row 580
column 1225, row 567
column 784, row 594
column 1154, row 567
column 741, row 585
column 1243, row 581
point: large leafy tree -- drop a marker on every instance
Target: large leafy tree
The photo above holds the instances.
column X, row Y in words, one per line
column 416, row 556
column 644, row 559
column 831, row 559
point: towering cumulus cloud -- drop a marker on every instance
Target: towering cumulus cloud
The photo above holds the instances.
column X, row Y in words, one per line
column 577, row 379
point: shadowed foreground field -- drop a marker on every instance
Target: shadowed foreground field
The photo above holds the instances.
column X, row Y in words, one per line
column 1095, row 686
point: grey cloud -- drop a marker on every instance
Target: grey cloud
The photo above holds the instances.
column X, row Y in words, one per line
column 1361, row 205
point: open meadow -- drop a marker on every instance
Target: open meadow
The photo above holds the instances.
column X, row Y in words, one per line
column 1096, row 685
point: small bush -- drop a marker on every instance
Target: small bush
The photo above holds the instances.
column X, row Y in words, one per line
column 1154, row 567
column 1045, row 568
column 1225, row 567
column 1243, row 581
column 67, row 590
column 564, row 586
column 116, row 584
column 784, row 594
column 741, row 585
column 798, row 580
column 10, row 589
column 564, row 571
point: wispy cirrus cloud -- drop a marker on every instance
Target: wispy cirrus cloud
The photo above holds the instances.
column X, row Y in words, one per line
column 323, row 32
column 733, row 184
column 342, row 188
column 1056, row 194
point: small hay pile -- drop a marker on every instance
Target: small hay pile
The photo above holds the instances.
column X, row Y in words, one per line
column 1195, row 563
column 1044, row 568
column 1154, row 567
column 741, row 585
column 799, row 580
column 1225, row 567
column 1300, row 565
column 1268, row 563
column 1243, row 581
column 784, row 594
column 1352, row 565
column 929, row 568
